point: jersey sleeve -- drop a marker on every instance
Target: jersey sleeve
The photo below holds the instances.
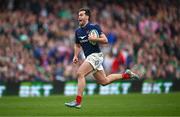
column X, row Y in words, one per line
column 76, row 38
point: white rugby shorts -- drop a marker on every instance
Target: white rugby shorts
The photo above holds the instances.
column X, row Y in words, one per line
column 96, row 60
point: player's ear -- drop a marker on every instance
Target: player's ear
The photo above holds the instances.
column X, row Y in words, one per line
column 87, row 17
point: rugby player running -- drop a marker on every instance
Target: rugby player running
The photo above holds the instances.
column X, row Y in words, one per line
column 89, row 36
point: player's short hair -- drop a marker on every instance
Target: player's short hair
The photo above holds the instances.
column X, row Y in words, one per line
column 87, row 12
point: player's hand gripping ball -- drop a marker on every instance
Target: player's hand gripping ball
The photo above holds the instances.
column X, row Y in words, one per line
column 93, row 35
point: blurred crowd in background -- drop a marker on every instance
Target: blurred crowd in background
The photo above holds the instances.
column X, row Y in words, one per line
column 37, row 37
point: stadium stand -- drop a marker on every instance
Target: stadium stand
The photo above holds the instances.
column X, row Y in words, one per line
column 36, row 37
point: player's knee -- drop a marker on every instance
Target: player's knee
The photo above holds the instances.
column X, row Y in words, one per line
column 80, row 74
column 104, row 83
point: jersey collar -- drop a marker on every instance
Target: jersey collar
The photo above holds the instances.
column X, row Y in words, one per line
column 86, row 25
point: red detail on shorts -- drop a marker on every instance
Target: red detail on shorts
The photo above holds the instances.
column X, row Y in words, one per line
column 78, row 99
column 125, row 76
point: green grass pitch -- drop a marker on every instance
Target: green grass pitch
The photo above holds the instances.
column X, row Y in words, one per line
column 96, row 105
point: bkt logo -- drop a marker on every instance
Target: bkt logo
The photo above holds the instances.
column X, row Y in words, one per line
column 156, row 88
column 91, row 88
column 35, row 90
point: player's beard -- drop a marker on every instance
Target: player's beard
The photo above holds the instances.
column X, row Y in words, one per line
column 82, row 23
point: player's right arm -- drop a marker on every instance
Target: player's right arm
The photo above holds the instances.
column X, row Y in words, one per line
column 77, row 49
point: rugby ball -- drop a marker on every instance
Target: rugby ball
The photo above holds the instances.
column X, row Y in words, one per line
column 94, row 33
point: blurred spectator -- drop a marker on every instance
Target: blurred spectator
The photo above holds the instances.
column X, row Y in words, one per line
column 36, row 38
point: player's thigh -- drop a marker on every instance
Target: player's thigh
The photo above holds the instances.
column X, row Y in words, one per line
column 85, row 68
column 100, row 76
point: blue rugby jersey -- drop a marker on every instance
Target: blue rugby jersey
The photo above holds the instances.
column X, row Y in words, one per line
column 81, row 36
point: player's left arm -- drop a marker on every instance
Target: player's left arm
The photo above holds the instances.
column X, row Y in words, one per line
column 101, row 39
